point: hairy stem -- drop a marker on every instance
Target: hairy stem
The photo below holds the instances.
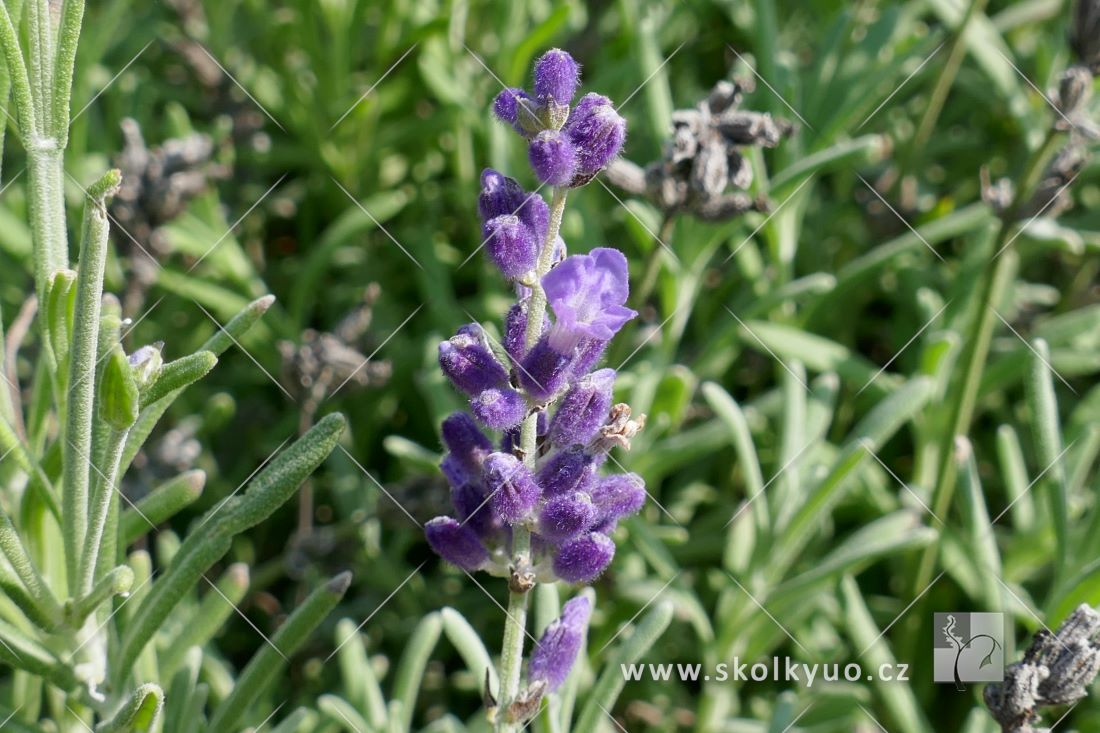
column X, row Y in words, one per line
column 82, row 365
column 511, row 657
column 100, row 506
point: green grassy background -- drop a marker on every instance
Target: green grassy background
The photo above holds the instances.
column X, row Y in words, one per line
column 826, row 291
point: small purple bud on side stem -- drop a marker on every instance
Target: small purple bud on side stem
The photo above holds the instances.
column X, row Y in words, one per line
column 582, row 560
column 557, row 650
column 499, row 408
column 513, row 491
column 553, row 158
column 565, row 517
column 455, row 543
column 584, row 409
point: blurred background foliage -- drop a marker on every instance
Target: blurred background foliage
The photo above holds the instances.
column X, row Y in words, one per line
column 348, row 137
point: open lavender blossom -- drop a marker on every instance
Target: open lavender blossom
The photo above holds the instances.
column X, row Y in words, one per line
column 566, row 147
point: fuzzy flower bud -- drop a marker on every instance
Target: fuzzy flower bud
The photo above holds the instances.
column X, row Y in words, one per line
column 584, row 409
column 469, row 363
column 513, row 491
column 511, row 245
column 545, row 371
column 515, row 107
column 515, row 330
column 553, row 158
column 582, row 560
column 557, row 76
column 616, row 497
column 567, row 471
column 456, row 543
column 471, row 504
column 499, row 408
column 597, row 132
column 557, row 650
column 465, row 440
column 564, row 517
column 587, row 293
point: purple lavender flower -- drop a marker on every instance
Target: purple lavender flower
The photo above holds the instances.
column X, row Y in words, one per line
column 469, row 363
column 516, row 107
column 553, row 158
column 616, row 497
column 513, row 491
column 511, row 245
column 584, row 409
column 557, row 76
column 597, row 132
column 499, row 408
column 567, row 471
column 465, row 440
column 456, row 543
column 545, row 371
column 556, row 652
column 515, row 330
column 565, row 517
column 587, row 293
column 503, row 196
column 583, row 560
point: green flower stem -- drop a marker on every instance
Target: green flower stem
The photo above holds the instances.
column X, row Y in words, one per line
column 68, row 33
column 271, row 658
column 946, row 78
column 82, row 367
column 103, row 492
column 511, row 657
column 964, row 396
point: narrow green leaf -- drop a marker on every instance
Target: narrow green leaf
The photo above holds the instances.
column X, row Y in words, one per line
column 361, row 684
column 982, row 543
column 610, row 684
column 40, row 594
column 271, row 658
column 60, row 302
column 179, row 374
column 1048, row 443
column 160, row 504
column 470, row 647
column 20, row 652
column 138, row 714
column 344, row 714
column 217, row 605
column 118, row 392
column 898, row 699
column 181, row 692
column 77, row 445
column 410, row 670
column 1014, row 473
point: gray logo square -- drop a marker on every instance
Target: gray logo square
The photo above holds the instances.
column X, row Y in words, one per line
column 968, row 647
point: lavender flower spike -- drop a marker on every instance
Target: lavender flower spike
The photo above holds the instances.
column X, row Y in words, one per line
column 465, row 440
column 582, row 560
column 557, row 76
column 587, row 293
column 557, row 650
column 512, row 488
column 456, row 543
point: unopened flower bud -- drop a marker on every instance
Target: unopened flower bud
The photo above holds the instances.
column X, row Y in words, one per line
column 567, row 516
column 557, row 76
column 584, row 409
column 456, row 543
column 511, row 245
column 469, row 363
column 567, row 471
column 499, row 408
column 553, row 158
column 556, row 652
column 598, row 132
column 512, row 489
column 583, row 560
